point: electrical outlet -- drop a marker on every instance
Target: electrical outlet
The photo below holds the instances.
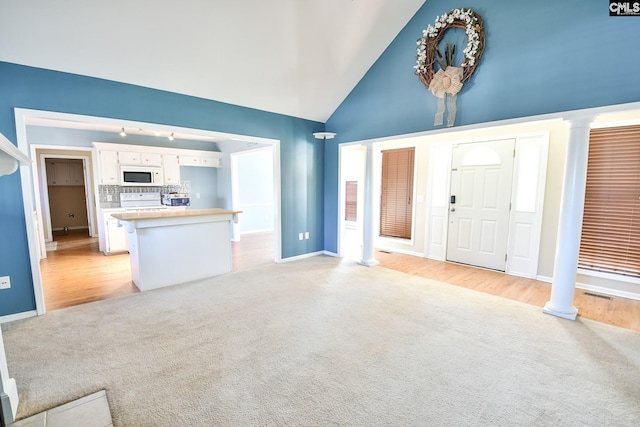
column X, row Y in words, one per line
column 306, row 235
column 5, row 282
column 300, row 236
column 197, row 195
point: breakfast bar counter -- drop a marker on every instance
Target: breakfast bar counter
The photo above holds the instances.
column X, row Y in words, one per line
column 171, row 247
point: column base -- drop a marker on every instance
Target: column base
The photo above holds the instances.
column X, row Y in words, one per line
column 571, row 314
column 369, row 262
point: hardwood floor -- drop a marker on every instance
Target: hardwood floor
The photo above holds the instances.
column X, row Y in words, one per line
column 77, row 273
column 616, row 311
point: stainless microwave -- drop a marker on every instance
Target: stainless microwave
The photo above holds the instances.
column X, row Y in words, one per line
column 141, row 176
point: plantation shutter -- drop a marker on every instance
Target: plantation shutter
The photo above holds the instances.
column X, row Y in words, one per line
column 396, row 200
column 351, row 201
column 610, row 239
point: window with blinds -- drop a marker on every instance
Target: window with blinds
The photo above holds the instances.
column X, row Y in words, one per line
column 396, row 199
column 610, row 239
column 351, row 201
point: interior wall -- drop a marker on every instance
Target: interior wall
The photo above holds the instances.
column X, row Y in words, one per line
column 538, row 60
column 68, row 207
column 203, row 183
column 301, row 165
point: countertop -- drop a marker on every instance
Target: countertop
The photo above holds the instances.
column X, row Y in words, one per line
column 128, row 216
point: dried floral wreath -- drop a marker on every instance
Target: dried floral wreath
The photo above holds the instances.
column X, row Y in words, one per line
column 448, row 80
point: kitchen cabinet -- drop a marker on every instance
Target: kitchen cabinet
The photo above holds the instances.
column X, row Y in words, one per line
column 151, row 159
column 61, row 172
column 212, row 160
column 202, row 158
column 128, row 158
column 171, row 169
column 109, row 171
column 115, row 235
column 187, row 160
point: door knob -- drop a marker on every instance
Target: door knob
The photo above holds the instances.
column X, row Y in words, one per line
column 453, row 209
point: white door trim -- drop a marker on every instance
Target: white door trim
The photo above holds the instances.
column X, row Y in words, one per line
column 40, row 185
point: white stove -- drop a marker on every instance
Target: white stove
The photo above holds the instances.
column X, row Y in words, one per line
column 141, row 201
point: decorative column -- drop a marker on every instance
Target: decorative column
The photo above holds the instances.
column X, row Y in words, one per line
column 368, row 231
column 570, row 225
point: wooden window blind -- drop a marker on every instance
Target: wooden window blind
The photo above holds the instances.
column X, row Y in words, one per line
column 610, row 239
column 396, row 199
column 351, row 201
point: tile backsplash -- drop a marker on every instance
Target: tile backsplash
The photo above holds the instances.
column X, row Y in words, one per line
column 109, row 195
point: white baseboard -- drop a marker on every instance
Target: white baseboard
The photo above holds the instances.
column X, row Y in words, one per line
column 400, row 251
column 263, row 230
column 77, row 227
column 303, row 256
column 18, row 316
column 329, row 253
column 544, row 279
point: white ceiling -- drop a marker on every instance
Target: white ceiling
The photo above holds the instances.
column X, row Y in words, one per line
column 294, row 57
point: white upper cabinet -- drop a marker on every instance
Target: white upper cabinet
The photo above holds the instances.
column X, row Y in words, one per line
column 213, row 160
column 108, row 164
column 151, row 159
column 209, row 159
column 189, row 160
column 128, row 158
column 61, row 172
column 112, row 156
column 171, row 169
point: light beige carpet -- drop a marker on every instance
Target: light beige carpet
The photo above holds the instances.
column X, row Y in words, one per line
column 326, row 342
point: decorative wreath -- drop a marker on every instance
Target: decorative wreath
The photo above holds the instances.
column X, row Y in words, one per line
column 431, row 36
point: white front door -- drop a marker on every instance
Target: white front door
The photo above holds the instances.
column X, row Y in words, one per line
column 481, row 175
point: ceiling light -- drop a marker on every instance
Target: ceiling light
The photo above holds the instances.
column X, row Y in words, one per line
column 171, row 137
column 123, row 133
column 140, row 130
column 156, row 133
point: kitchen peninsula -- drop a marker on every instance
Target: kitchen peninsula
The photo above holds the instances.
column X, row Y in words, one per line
column 171, row 247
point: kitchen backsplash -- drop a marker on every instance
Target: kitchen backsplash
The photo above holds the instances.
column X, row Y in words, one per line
column 109, row 195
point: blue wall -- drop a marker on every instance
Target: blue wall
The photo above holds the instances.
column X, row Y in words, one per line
column 302, row 165
column 541, row 57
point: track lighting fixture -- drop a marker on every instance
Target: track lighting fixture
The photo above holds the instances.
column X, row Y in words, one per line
column 171, row 137
column 123, row 133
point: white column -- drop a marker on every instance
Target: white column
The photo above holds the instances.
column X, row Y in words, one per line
column 570, row 223
column 368, row 237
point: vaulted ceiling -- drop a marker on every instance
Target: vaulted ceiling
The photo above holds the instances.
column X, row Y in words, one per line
column 294, row 57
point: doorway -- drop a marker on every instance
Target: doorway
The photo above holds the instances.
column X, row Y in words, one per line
column 481, row 177
column 31, row 184
column 66, row 198
column 352, row 175
column 63, row 186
